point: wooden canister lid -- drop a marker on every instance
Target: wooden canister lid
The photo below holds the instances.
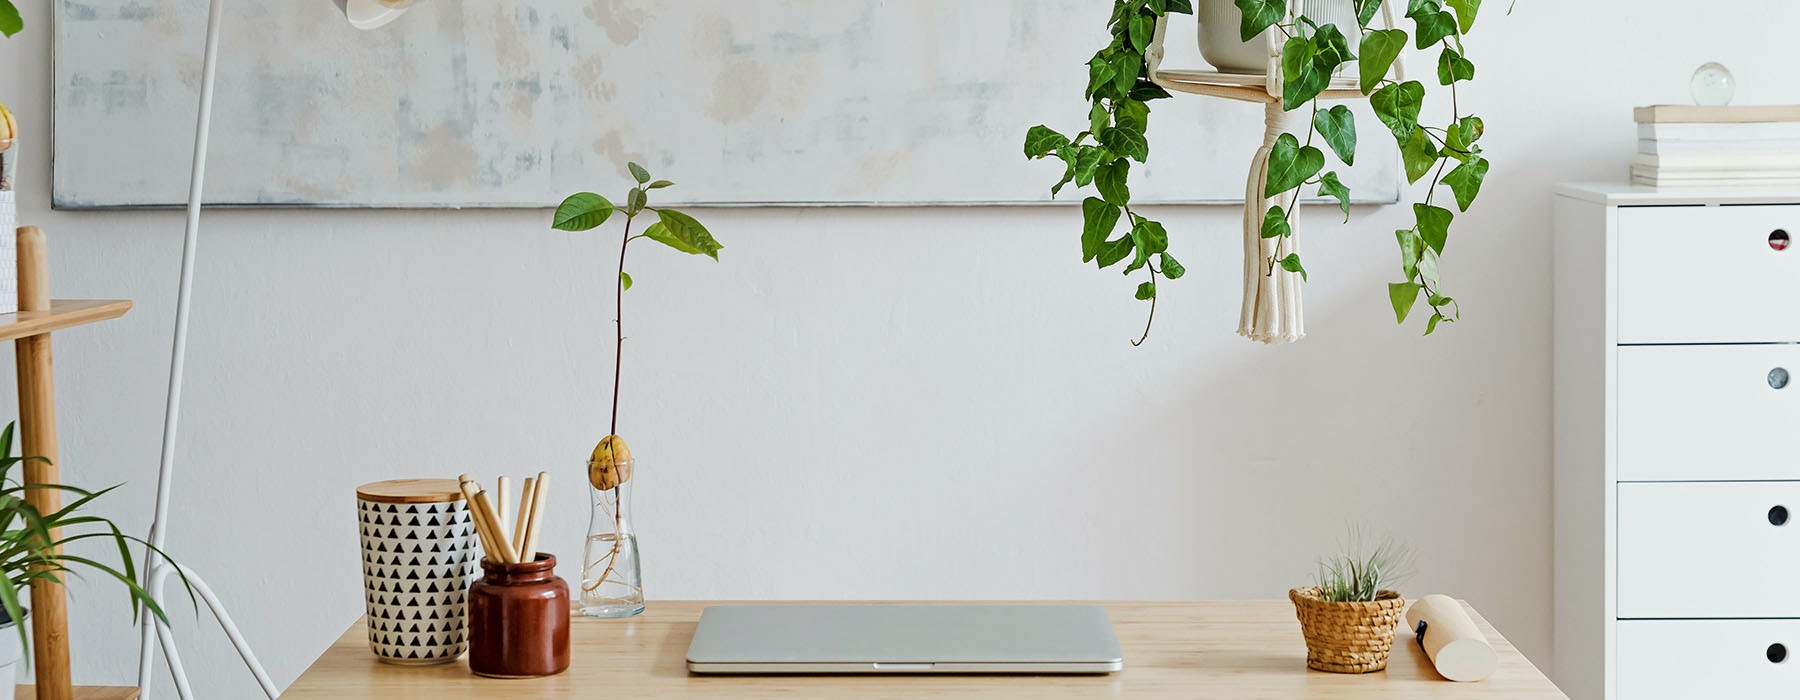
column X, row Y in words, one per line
column 410, row 491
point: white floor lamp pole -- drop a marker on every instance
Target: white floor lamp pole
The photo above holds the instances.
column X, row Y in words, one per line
column 156, row 569
column 362, row 14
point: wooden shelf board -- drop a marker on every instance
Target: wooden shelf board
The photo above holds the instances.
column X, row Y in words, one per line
column 63, row 313
column 85, row 692
column 1242, row 86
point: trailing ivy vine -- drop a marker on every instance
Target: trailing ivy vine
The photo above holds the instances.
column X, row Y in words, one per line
column 1448, row 153
column 1119, row 94
column 1101, row 155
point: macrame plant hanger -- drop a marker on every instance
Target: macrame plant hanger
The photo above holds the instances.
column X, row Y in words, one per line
column 1271, row 309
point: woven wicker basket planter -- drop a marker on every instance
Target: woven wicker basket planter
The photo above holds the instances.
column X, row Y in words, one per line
column 1347, row 637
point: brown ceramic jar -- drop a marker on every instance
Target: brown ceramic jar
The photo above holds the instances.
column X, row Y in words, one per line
column 519, row 620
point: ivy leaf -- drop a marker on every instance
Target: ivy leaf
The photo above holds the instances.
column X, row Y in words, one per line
column 1110, row 180
column 1452, row 67
column 1127, row 66
column 1465, row 12
column 1379, row 49
column 1338, row 126
column 1098, row 118
column 1331, row 48
column 638, row 171
column 1041, row 141
column 1418, row 154
column 581, row 211
column 1402, row 295
column 624, row 281
column 1365, row 12
column 1462, row 135
column 1150, row 237
column 1434, row 225
column 1259, row 15
column 1397, row 106
column 1140, row 29
column 1113, row 251
column 1146, row 291
column 1158, row 6
column 1291, row 164
column 1133, row 115
column 1428, row 269
column 1291, row 263
column 1170, row 267
column 1331, row 186
column 1431, row 26
column 1431, row 326
column 1097, row 221
column 1146, row 91
column 1301, row 79
column 10, row 21
column 1180, row 7
column 1274, row 223
column 1465, row 181
column 1086, row 163
column 1126, row 141
column 1100, row 75
column 1410, row 248
column 683, row 233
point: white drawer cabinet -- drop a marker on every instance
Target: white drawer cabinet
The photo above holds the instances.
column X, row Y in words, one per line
column 1700, row 659
column 1698, row 274
column 1676, row 442
column 1709, row 412
column 1709, row 550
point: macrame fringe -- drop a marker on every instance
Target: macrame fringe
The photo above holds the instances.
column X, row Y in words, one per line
column 1271, row 310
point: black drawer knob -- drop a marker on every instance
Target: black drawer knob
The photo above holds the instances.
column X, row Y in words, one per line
column 1778, row 378
column 1778, row 516
column 1778, row 239
column 1777, row 653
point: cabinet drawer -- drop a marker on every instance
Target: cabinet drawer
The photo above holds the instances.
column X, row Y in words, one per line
column 1685, row 660
column 1707, row 274
column 1709, row 412
column 1699, row 550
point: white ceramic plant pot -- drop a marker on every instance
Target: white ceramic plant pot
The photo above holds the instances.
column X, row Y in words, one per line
column 1220, row 24
column 12, row 654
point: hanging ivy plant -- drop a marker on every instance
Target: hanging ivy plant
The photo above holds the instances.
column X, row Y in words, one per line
column 1311, row 53
column 1449, row 153
column 1101, row 155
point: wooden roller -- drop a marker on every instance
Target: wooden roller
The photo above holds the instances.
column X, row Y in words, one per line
column 1450, row 639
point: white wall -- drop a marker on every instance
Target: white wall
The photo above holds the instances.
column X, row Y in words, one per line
column 890, row 403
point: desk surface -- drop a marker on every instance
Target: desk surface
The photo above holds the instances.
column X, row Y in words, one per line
column 1219, row 650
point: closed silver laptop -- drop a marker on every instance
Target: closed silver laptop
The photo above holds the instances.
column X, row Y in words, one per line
column 757, row 639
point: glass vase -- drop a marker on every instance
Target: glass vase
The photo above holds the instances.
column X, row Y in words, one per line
column 611, row 583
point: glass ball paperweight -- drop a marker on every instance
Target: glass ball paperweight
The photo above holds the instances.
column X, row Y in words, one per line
column 1712, row 84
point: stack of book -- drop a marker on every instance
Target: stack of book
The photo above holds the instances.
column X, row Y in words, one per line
column 1702, row 146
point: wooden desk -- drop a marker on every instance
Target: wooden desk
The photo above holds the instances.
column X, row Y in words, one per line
column 1217, row 650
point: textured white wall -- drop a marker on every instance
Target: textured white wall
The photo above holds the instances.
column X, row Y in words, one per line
column 891, row 403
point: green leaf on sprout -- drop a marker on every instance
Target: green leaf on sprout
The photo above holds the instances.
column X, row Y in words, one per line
column 581, row 211
column 681, row 232
column 638, row 172
column 624, row 281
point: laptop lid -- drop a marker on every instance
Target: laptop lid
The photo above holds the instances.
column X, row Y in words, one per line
column 904, row 639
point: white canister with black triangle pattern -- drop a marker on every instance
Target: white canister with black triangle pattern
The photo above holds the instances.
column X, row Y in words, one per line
column 420, row 553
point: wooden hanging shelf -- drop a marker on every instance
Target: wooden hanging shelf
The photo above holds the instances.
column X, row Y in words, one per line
column 1242, row 86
